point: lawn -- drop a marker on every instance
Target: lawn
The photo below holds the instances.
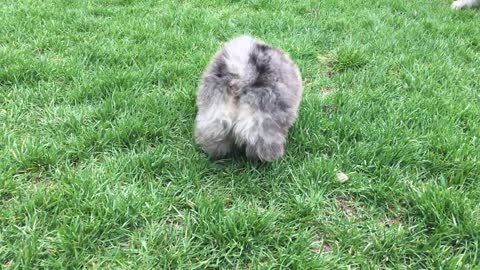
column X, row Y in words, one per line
column 99, row 169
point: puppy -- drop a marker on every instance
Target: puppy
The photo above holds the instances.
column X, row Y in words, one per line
column 459, row 4
column 248, row 98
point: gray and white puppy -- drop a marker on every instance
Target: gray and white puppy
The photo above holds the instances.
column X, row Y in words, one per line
column 248, row 98
column 459, row 4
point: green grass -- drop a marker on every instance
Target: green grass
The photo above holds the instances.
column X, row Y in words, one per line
column 98, row 168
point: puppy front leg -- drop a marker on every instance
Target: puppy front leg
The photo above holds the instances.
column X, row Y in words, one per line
column 212, row 133
column 263, row 137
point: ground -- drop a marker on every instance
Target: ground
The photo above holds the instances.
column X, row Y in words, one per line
column 98, row 167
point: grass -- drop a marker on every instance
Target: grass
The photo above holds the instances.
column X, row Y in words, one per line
column 98, row 168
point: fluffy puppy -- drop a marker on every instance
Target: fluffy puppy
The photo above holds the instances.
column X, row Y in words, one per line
column 248, row 98
column 459, row 4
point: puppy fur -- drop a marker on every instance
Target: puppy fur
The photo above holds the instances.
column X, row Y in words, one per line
column 459, row 4
column 248, row 98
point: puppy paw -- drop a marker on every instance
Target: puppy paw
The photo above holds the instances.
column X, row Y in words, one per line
column 265, row 151
column 217, row 150
column 457, row 5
